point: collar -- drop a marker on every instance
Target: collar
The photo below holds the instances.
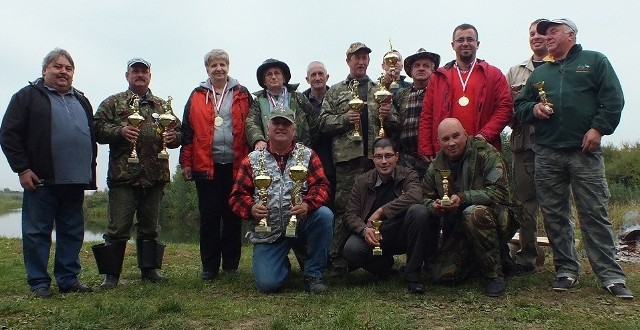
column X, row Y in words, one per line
column 379, row 180
column 53, row 90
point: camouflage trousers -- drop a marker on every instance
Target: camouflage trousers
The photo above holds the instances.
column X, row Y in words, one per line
column 346, row 173
column 525, row 191
column 125, row 202
column 469, row 243
column 558, row 171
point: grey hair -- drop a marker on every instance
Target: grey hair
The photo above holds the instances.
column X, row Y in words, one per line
column 54, row 54
column 324, row 68
column 215, row 54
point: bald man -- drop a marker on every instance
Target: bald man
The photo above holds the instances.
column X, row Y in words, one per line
column 475, row 220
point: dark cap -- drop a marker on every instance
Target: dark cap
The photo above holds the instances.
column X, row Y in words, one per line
column 421, row 53
column 138, row 60
column 271, row 63
column 285, row 113
column 356, row 46
column 544, row 25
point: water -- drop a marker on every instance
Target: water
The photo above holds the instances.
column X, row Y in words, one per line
column 11, row 226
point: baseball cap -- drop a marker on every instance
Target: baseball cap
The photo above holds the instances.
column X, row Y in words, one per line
column 356, row 46
column 285, row 113
column 544, row 24
column 138, row 60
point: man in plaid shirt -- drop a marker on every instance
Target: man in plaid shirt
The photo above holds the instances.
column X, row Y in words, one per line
column 315, row 222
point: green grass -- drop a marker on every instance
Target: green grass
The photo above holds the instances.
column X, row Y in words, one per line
column 354, row 302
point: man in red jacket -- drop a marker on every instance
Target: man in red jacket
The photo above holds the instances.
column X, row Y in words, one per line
column 468, row 89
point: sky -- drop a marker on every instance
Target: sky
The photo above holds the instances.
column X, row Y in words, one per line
column 174, row 36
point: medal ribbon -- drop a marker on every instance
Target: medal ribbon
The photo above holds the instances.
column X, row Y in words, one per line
column 464, row 83
column 218, row 104
column 282, row 98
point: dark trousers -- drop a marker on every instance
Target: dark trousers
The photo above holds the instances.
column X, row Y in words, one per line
column 219, row 226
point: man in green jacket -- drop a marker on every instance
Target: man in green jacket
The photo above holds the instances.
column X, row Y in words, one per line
column 572, row 102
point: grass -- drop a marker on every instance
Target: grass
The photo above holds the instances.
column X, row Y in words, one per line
column 354, row 302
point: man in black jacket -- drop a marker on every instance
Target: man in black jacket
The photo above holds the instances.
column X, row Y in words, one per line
column 47, row 137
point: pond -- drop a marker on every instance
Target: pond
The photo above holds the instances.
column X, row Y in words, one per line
column 11, row 226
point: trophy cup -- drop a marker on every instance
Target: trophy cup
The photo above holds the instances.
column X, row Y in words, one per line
column 382, row 96
column 543, row 96
column 135, row 120
column 391, row 59
column 166, row 121
column 262, row 181
column 377, row 251
column 356, row 105
column 298, row 173
column 445, row 200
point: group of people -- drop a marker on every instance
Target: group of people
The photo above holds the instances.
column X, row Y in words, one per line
column 344, row 178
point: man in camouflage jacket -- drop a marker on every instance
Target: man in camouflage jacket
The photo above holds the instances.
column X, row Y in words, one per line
column 134, row 187
column 480, row 219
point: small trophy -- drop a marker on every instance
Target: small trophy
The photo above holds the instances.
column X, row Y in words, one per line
column 543, row 96
column 391, row 59
column 377, row 251
column 135, row 120
column 262, row 181
column 445, row 200
column 298, row 173
column 166, row 121
column 356, row 105
column 382, row 96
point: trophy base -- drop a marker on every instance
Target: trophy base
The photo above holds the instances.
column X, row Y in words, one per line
column 263, row 229
column 355, row 137
column 377, row 251
column 445, row 202
column 133, row 160
column 163, row 156
column 290, row 232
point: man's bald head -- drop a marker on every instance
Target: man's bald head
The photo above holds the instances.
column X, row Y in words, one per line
column 452, row 138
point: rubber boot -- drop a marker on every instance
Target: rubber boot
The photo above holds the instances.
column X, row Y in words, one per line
column 150, row 254
column 109, row 258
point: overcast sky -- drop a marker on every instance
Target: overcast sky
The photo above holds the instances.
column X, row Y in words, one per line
column 174, row 36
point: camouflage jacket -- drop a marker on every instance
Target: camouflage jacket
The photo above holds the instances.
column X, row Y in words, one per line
column 258, row 118
column 334, row 121
column 482, row 180
column 110, row 118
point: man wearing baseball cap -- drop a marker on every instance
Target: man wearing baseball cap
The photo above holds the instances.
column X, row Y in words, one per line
column 314, row 228
column 572, row 102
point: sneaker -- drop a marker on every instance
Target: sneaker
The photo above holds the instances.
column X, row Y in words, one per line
column 520, row 270
column 564, row 283
column 314, row 284
column 42, row 292
column 495, row 287
column 620, row 290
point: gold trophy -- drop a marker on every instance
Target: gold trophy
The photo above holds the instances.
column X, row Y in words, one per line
column 135, row 120
column 382, row 96
column 298, row 173
column 377, row 251
column 356, row 105
column 262, row 181
column 543, row 96
column 391, row 59
column 166, row 121
column 445, row 200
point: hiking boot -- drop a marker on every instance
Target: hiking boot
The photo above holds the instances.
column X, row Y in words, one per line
column 564, row 283
column 152, row 275
column 619, row 290
column 43, row 292
column 495, row 287
column 315, row 285
column 110, row 281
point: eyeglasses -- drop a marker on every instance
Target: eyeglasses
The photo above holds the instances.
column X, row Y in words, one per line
column 383, row 156
column 468, row 40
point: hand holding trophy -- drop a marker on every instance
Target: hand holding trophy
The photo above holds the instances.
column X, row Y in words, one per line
column 298, row 174
column 166, row 121
column 543, row 96
column 135, row 120
column 445, row 200
column 382, row 96
column 355, row 105
column 262, row 181
column 377, row 251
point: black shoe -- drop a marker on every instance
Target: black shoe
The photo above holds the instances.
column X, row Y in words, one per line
column 315, row 285
column 520, row 270
column 415, row 287
column 620, row 290
column 338, row 272
column 110, row 281
column 152, row 275
column 208, row 276
column 564, row 283
column 77, row 287
column 43, row 292
column 495, row 287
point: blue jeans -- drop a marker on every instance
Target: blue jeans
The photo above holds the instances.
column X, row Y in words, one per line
column 41, row 209
column 557, row 171
column 270, row 266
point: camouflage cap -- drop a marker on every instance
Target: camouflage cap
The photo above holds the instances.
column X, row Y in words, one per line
column 544, row 24
column 356, row 46
column 284, row 112
column 138, row 60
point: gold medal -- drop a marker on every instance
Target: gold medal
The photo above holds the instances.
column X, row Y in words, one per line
column 463, row 101
column 218, row 121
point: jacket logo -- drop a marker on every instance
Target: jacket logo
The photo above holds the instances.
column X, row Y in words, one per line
column 583, row 68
